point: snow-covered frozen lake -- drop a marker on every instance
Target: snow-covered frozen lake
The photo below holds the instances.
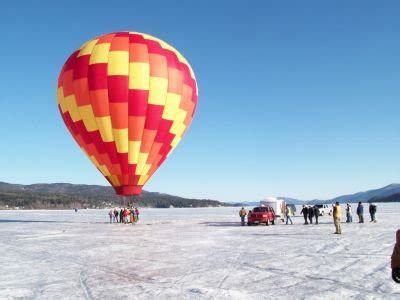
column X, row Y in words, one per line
column 193, row 254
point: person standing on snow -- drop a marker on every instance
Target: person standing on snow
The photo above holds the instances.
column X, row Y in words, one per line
column 121, row 216
column 316, row 214
column 395, row 263
column 126, row 215
column 111, row 214
column 288, row 214
column 372, row 212
column 310, row 214
column 337, row 214
column 283, row 211
column 132, row 217
column 137, row 214
column 360, row 212
column 349, row 215
column 115, row 215
column 242, row 214
column 304, row 211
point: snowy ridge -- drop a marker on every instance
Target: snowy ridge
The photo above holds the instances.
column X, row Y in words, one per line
column 375, row 194
column 389, row 193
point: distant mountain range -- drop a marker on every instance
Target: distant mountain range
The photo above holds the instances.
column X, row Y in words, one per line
column 385, row 194
column 390, row 193
column 66, row 195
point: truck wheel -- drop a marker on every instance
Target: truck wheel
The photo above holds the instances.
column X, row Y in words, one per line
column 273, row 222
column 249, row 224
column 266, row 224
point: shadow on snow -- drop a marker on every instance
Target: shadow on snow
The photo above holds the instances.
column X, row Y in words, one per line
column 221, row 224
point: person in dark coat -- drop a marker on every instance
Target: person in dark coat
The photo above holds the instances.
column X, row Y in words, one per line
column 137, row 214
column 121, row 216
column 116, row 215
column 395, row 264
column 316, row 214
column 360, row 212
column 304, row 211
column 372, row 212
column 310, row 214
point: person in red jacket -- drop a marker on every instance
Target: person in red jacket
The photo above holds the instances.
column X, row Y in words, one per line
column 396, row 259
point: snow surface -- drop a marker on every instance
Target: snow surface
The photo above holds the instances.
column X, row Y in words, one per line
column 193, row 254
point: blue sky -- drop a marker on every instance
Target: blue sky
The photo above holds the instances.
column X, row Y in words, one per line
column 296, row 98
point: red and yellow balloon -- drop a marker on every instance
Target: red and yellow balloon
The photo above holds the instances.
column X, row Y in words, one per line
column 127, row 99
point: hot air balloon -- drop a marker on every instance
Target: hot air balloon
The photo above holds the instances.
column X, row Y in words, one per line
column 127, row 99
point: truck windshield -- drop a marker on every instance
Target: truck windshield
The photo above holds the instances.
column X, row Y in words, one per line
column 259, row 209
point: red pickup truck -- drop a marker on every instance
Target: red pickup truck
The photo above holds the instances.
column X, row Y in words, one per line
column 262, row 214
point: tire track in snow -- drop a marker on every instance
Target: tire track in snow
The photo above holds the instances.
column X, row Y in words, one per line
column 220, row 284
column 84, row 286
column 307, row 278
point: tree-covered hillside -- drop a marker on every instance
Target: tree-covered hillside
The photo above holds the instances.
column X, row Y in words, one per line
column 64, row 195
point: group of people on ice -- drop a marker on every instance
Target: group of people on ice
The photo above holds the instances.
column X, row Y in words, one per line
column 313, row 212
column 124, row 215
column 310, row 212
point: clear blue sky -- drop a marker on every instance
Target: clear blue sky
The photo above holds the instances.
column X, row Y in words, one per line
column 296, row 98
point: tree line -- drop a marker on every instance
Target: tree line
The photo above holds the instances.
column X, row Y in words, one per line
column 28, row 200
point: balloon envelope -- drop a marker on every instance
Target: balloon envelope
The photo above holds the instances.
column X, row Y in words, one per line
column 127, row 99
